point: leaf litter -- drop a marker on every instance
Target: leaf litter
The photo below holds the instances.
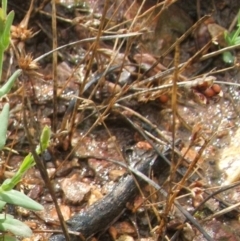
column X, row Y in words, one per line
column 123, row 113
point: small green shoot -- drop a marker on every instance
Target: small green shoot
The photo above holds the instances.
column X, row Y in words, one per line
column 232, row 39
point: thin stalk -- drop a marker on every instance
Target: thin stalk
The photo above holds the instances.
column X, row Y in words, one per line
column 54, row 62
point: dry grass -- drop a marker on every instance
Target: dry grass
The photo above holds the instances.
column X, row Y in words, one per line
column 112, row 45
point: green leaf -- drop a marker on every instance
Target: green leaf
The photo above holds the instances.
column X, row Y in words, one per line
column 237, row 40
column 2, row 205
column 27, row 163
column 9, row 184
column 2, row 16
column 8, row 85
column 231, row 35
column 8, row 223
column 20, row 199
column 4, row 115
column 4, row 7
column 5, row 38
column 8, row 238
column 227, row 37
column 2, row 21
column 238, row 24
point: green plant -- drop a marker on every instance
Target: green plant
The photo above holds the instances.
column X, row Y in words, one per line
column 7, row 193
column 11, row 196
column 5, row 26
column 232, row 39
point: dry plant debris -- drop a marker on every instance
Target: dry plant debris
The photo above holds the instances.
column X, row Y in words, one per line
column 136, row 86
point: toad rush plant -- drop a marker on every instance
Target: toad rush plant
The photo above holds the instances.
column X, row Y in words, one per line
column 9, row 226
column 11, row 196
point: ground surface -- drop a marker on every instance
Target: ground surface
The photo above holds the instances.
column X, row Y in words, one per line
column 127, row 114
